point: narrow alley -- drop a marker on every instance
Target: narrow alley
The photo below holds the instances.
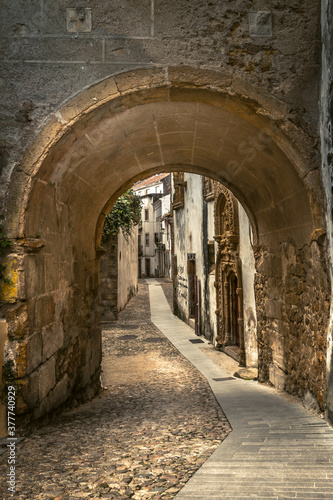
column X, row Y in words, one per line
column 151, row 428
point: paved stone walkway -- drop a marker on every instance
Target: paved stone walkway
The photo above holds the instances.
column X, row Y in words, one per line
column 153, row 426
column 277, row 450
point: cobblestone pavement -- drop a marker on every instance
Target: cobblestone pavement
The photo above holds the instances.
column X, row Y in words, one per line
column 152, row 427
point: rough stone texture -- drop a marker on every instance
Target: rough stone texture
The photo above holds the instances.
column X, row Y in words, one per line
column 196, row 34
column 327, row 163
column 109, row 280
column 119, row 269
column 151, row 428
column 310, row 402
column 292, row 332
column 67, row 155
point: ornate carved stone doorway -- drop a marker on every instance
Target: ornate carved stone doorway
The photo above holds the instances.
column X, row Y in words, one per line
column 229, row 293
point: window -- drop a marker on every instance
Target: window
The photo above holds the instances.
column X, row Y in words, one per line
column 146, row 214
column 179, row 188
column 147, row 239
column 208, row 189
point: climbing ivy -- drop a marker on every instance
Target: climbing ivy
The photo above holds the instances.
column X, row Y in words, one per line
column 5, row 243
column 125, row 214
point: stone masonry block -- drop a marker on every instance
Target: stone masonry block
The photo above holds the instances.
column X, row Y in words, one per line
column 20, row 19
column 17, row 320
column 21, row 359
column 60, row 392
column 272, row 265
column 96, row 352
column 35, row 275
column 129, row 18
column 47, row 378
column 55, row 49
column 45, row 310
column 273, row 308
column 83, row 377
column 135, row 80
column 120, row 50
column 186, row 76
column 13, row 290
column 31, row 389
column 53, row 339
column 277, row 377
column 34, row 352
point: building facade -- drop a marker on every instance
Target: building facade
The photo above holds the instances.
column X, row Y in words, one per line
column 214, row 266
column 154, row 240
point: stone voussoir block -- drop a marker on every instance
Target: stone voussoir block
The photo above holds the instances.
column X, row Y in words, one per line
column 141, row 79
column 275, row 108
column 185, row 76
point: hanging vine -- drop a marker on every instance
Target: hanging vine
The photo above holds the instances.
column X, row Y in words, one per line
column 125, row 215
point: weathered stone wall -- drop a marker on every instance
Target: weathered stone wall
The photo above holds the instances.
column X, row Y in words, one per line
column 48, row 59
column 109, row 279
column 267, row 77
column 327, row 164
column 54, row 334
column 293, row 301
column 119, row 273
column 3, row 413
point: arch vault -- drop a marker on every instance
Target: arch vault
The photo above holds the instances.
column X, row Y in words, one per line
column 124, row 129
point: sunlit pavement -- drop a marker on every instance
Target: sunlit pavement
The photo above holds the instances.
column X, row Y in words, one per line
column 277, row 449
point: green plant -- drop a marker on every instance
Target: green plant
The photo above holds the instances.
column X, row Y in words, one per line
column 125, row 214
column 5, row 243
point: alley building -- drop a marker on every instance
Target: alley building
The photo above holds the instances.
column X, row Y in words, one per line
column 214, row 266
column 154, row 242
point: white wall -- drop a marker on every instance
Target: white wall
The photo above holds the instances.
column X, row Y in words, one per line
column 127, row 268
column 211, row 277
column 248, row 271
column 188, row 239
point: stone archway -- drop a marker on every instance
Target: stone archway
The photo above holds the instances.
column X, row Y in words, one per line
column 124, row 129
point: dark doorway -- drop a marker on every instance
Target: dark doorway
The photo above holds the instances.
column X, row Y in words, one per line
column 148, row 268
column 233, row 310
column 191, row 272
